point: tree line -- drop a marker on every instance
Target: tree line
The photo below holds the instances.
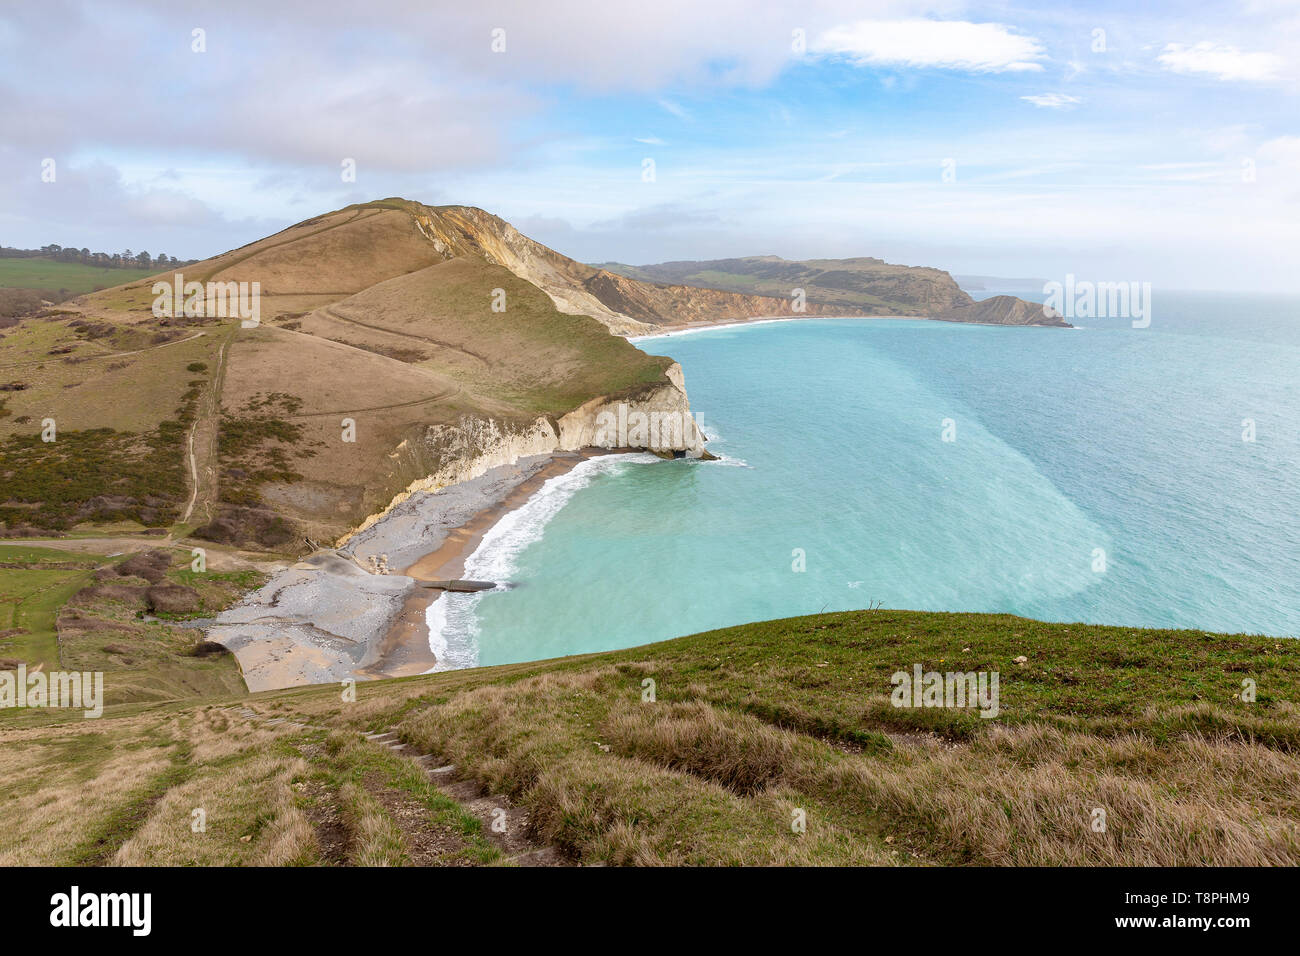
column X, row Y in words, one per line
column 126, row 259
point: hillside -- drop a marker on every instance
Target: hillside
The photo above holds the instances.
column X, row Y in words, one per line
column 748, row 730
column 872, row 286
column 381, row 314
column 423, row 327
column 862, row 286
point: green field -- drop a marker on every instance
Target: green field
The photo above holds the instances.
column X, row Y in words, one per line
column 34, row 584
column 146, row 657
column 72, row 277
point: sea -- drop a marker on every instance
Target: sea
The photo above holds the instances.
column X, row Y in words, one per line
column 1142, row 477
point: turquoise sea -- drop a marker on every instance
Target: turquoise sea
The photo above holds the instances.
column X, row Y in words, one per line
column 1096, row 475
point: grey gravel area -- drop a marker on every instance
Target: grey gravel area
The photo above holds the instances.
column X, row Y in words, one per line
column 323, row 618
column 420, row 523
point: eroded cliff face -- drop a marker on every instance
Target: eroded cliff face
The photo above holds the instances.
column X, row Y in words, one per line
column 467, row 230
column 655, row 305
column 657, row 418
column 1005, row 310
column 625, row 306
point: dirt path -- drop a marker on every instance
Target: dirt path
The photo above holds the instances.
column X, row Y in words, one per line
column 219, row 559
column 504, row 824
column 152, row 348
column 329, row 312
column 104, row 355
column 205, row 429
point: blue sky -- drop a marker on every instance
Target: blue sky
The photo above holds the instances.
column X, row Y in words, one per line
column 1157, row 144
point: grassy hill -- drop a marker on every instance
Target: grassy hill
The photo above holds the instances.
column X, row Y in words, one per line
column 123, row 615
column 751, row 728
column 381, row 313
column 366, row 314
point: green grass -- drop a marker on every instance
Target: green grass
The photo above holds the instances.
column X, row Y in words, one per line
column 30, row 554
column 143, row 660
column 755, row 727
column 217, row 589
column 75, row 278
column 31, row 595
column 755, row 722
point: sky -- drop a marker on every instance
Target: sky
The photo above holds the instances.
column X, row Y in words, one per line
column 1151, row 142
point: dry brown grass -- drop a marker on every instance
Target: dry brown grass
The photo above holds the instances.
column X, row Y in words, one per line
column 375, row 839
column 613, row 779
column 242, row 781
column 59, row 783
column 747, row 737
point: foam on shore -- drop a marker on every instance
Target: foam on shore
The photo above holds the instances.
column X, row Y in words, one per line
column 674, row 333
column 452, row 618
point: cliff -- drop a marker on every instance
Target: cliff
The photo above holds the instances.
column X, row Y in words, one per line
column 858, row 286
column 454, row 453
column 1004, row 310
column 627, row 306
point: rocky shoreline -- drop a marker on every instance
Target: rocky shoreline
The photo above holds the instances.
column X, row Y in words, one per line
column 328, row 618
column 331, row 617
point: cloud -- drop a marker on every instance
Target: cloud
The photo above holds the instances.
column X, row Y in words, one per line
column 674, row 108
column 650, row 140
column 1223, row 62
column 938, row 44
column 1052, row 101
column 91, row 205
column 664, row 216
column 1283, row 151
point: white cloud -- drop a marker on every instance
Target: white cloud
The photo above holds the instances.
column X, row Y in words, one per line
column 675, row 109
column 1052, row 101
column 1283, row 151
column 941, row 44
column 650, row 140
column 1224, row 62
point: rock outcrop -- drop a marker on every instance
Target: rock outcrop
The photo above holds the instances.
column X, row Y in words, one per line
column 1004, row 310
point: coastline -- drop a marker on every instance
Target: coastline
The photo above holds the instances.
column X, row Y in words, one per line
column 328, row 618
column 668, row 331
column 404, row 648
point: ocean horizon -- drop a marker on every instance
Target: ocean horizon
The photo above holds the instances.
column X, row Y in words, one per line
column 1143, row 477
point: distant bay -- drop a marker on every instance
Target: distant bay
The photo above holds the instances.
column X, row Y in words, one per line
column 1098, row 475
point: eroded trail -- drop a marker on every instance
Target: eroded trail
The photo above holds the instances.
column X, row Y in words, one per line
column 201, row 444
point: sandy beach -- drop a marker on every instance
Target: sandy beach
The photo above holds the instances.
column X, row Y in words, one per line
column 404, row 649
column 669, row 331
